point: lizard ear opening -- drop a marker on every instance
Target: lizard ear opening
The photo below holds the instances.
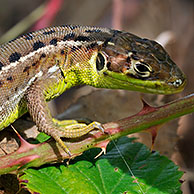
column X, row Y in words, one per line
column 100, row 61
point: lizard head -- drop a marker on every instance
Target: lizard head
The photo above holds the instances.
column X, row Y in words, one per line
column 126, row 61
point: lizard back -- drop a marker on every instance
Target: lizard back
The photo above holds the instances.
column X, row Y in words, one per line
column 31, row 56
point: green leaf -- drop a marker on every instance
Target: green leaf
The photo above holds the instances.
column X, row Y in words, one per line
column 42, row 137
column 110, row 174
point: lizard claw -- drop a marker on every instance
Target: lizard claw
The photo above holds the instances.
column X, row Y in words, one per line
column 98, row 126
column 101, row 128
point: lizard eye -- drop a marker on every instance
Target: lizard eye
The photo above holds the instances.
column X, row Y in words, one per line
column 142, row 69
column 100, row 61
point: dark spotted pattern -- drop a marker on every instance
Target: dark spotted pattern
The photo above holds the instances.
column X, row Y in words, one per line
column 62, row 52
column 38, row 45
column 135, row 57
column 128, row 59
column 28, row 36
column 69, row 36
column 115, row 32
column 72, row 27
column 32, row 41
column 134, row 52
column 74, row 48
column 14, row 57
column 9, row 78
column 26, row 68
column 82, row 38
column 1, row 65
column 106, row 41
column 12, row 40
column 49, row 32
column 93, row 30
column 43, row 55
column 92, row 45
column 53, row 42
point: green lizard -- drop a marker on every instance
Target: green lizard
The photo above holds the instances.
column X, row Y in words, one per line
column 39, row 66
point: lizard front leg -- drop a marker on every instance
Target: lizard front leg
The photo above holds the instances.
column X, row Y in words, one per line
column 38, row 109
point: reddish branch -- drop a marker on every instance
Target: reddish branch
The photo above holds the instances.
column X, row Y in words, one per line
column 29, row 155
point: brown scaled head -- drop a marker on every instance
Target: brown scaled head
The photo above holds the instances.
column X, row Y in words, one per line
column 142, row 59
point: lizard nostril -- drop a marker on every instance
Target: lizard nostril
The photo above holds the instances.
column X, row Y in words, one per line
column 177, row 83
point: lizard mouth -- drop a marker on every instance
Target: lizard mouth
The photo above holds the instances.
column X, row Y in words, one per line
column 146, row 86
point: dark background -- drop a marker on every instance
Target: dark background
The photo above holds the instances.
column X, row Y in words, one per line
column 169, row 21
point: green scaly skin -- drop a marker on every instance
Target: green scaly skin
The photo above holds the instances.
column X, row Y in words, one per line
column 39, row 66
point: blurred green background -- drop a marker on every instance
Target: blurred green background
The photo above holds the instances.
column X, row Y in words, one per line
column 171, row 22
